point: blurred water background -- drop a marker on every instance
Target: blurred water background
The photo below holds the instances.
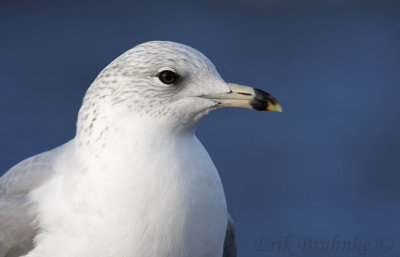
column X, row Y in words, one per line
column 327, row 167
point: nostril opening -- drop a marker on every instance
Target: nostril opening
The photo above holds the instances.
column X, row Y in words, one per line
column 242, row 93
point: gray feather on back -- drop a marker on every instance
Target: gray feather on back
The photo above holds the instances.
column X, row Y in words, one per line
column 16, row 217
column 230, row 247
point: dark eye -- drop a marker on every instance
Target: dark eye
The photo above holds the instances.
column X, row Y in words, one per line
column 168, row 77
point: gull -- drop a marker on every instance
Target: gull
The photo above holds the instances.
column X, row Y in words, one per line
column 135, row 181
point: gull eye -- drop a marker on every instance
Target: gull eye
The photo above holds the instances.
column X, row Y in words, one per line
column 168, row 77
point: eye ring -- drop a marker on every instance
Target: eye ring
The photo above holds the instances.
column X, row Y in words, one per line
column 168, row 77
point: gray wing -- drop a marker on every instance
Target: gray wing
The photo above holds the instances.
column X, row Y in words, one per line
column 230, row 248
column 16, row 216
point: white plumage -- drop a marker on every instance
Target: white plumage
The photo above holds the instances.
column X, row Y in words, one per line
column 135, row 181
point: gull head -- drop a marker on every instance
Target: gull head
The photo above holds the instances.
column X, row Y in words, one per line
column 166, row 82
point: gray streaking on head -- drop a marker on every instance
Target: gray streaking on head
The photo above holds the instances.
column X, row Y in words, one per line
column 135, row 181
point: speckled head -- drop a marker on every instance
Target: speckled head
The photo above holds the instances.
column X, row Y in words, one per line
column 163, row 81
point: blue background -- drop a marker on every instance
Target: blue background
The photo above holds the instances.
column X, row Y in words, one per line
column 328, row 165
